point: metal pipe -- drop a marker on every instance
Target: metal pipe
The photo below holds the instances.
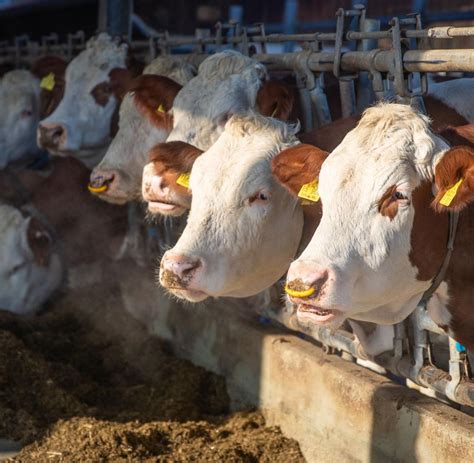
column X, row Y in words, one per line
column 347, row 93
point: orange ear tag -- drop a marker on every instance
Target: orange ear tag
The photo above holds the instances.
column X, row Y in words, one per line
column 450, row 194
column 48, row 82
column 183, row 179
column 310, row 191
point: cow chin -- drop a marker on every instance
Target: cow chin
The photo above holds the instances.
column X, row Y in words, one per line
column 190, row 295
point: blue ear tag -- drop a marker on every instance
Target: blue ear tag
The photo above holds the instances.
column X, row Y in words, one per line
column 460, row 347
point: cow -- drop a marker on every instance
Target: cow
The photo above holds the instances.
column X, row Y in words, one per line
column 386, row 192
column 31, row 268
column 232, row 245
column 86, row 118
column 144, row 121
column 26, row 96
column 227, row 83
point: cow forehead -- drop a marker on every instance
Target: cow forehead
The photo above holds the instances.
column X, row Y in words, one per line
column 239, row 162
column 93, row 65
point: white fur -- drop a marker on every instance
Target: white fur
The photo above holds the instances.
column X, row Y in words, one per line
column 24, row 286
column 227, row 83
column 366, row 254
column 457, row 94
column 172, row 67
column 245, row 247
column 87, row 123
column 19, row 92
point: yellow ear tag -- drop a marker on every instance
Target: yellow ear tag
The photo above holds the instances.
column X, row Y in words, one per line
column 310, row 191
column 450, row 194
column 301, row 294
column 161, row 109
column 183, row 179
column 274, row 111
column 48, row 82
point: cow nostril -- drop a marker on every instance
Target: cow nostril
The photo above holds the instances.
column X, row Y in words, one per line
column 56, row 133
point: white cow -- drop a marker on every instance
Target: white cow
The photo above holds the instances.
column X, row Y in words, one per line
column 143, row 123
column 24, row 99
column 380, row 243
column 232, row 245
column 81, row 124
column 30, row 267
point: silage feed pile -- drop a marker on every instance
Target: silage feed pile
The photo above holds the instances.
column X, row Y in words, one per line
column 75, row 386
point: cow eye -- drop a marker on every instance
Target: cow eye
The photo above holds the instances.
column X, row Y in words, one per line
column 26, row 113
column 260, row 197
column 399, row 196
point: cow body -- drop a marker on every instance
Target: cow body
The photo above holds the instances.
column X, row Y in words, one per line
column 87, row 228
column 30, row 265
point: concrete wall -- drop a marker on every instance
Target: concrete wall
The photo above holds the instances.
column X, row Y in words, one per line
column 337, row 410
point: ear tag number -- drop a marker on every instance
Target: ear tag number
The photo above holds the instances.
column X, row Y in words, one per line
column 183, row 179
column 161, row 109
column 310, row 191
column 48, row 82
column 450, row 194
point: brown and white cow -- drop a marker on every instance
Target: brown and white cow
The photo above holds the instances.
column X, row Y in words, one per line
column 25, row 98
column 144, row 121
column 383, row 233
column 227, row 83
column 86, row 118
column 30, row 265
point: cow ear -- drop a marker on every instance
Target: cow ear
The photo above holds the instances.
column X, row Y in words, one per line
column 120, row 81
column 461, row 135
column 298, row 166
column 454, row 179
column 175, row 155
column 275, row 99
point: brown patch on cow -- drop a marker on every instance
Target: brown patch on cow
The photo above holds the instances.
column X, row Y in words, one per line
column 387, row 204
column 177, row 156
column 276, row 99
column 456, row 164
column 298, row 165
column 429, row 234
column 442, row 115
column 49, row 99
column 39, row 242
column 429, row 238
column 101, row 93
column 152, row 92
column 463, row 135
column 329, row 136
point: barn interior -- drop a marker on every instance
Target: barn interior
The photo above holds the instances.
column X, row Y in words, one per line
column 99, row 361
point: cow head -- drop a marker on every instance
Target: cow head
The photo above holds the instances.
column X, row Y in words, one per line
column 227, row 83
column 30, row 269
column 162, row 188
column 95, row 81
column 144, row 122
column 380, row 241
column 19, row 94
column 243, row 228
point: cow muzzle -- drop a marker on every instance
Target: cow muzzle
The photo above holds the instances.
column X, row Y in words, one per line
column 52, row 136
column 111, row 185
column 178, row 274
column 305, row 287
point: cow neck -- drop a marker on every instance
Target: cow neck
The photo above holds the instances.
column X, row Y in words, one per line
column 440, row 276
